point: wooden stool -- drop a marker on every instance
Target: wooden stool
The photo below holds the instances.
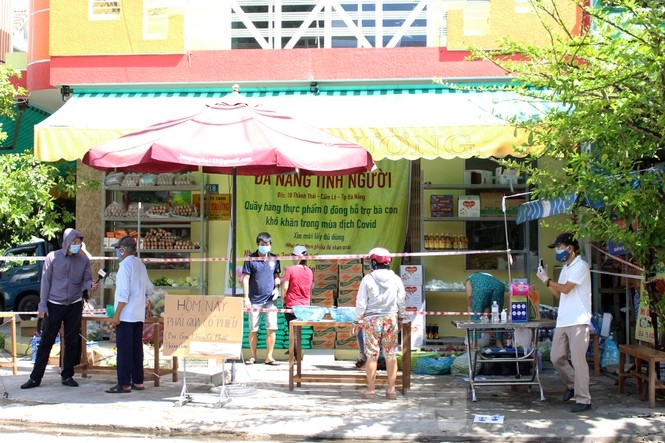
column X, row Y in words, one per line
column 641, row 354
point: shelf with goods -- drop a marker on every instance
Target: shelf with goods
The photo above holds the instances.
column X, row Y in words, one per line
column 464, row 237
column 166, row 214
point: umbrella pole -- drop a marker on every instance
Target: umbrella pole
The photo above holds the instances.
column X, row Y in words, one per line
column 233, row 233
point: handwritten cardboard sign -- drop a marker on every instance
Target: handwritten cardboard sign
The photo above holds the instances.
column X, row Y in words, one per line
column 206, row 326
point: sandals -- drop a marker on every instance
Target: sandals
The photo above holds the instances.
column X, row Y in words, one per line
column 391, row 395
column 271, row 363
column 251, row 361
column 137, row 388
column 368, row 395
column 117, row 389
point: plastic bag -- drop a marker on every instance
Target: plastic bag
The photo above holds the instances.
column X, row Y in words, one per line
column 461, row 366
column 114, row 179
column 610, row 353
column 433, row 366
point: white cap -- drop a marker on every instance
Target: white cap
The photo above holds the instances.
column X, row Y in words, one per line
column 299, row 250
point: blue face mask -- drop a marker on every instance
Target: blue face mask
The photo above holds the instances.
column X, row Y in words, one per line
column 118, row 253
column 562, row 255
column 264, row 249
column 75, row 249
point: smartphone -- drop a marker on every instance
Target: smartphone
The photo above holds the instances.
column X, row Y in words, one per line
column 542, row 264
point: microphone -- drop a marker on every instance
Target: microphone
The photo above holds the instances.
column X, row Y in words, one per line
column 100, row 275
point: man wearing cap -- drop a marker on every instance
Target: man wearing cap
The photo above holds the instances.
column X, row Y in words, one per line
column 65, row 275
column 573, row 289
column 260, row 286
column 132, row 284
column 297, row 282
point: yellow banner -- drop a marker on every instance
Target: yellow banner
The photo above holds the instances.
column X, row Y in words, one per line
column 329, row 215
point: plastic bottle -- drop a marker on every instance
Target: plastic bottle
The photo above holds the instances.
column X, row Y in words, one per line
column 504, row 316
column 495, row 312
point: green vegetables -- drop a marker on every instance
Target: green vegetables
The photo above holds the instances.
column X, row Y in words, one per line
column 182, row 281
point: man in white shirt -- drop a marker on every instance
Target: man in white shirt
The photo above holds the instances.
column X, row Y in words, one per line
column 573, row 289
column 132, row 284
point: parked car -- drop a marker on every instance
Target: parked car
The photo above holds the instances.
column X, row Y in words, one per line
column 20, row 280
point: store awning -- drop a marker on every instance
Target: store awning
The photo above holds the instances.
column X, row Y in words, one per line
column 19, row 130
column 395, row 123
column 542, row 208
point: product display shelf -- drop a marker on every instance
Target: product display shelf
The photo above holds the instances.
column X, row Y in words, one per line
column 476, row 233
column 178, row 228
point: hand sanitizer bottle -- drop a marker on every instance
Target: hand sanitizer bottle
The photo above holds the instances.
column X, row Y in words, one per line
column 504, row 316
column 495, row 312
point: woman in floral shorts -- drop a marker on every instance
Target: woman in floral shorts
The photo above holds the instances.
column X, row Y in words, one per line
column 379, row 309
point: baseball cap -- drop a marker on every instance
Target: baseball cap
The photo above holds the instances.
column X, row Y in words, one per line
column 125, row 241
column 299, row 250
column 566, row 239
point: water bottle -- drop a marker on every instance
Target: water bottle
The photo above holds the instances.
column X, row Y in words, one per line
column 495, row 312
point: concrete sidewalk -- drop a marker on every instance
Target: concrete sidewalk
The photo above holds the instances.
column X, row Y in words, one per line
column 261, row 407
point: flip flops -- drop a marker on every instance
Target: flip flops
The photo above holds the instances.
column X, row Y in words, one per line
column 251, row 361
column 271, row 363
column 367, row 395
column 117, row 389
column 137, row 388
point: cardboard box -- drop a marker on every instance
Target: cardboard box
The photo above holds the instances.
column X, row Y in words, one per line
column 414, row 295
column 509, row 176
column 323, row 293
column 491, row 204
column 349, row 264
column 412, row 275
column 28, row 328
column 356, row 269
column 346, row 302
column 478, row 177
column 468, row 206
column 441, row 205
column 326, row 266
column 349, row 285
column 349, row 343
column 325, row 302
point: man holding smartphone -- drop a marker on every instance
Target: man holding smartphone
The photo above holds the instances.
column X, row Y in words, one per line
column 573, row 290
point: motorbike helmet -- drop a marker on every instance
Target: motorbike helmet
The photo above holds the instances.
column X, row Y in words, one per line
column 380, row 255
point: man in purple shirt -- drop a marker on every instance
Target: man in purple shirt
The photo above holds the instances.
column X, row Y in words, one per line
column 65, row 275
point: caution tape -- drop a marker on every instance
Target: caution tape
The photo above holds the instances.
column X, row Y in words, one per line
column 277, row 257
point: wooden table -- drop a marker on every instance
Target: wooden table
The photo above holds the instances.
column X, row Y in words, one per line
column 296, row 376
column 155, row 374
column 530, row 354
column 641, row 354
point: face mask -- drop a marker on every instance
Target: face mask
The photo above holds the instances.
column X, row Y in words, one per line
column 264, row 249
column 75, row 249
column 118, row 254
column 562, row 255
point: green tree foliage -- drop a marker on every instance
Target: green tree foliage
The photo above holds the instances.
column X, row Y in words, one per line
column 605, row 142
column 31, row 190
